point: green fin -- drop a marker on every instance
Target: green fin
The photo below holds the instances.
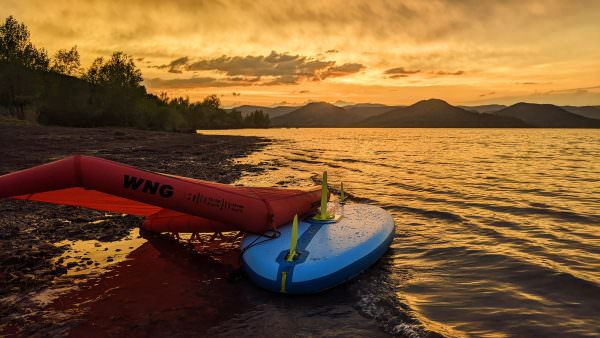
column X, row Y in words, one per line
column 294, row 240
column 323, row 215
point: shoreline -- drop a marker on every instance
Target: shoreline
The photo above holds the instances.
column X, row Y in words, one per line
column 47, row 250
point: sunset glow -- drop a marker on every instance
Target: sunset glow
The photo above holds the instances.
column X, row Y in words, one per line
column 253, row 52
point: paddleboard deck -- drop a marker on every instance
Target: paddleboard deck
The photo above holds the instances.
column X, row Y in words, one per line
column 328, row 253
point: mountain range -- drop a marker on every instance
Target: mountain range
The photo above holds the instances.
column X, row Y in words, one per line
column 432, row 113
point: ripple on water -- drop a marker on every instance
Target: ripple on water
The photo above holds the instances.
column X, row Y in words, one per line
column 497, row 230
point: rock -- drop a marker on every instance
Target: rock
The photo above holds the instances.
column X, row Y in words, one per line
column 59, row 270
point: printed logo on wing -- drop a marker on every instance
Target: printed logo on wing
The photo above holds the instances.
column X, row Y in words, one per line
column 148, row 187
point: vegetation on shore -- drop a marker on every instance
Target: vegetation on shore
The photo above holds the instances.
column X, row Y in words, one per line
column 59, row 91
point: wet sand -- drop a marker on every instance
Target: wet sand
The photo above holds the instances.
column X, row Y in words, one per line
column 78, row 272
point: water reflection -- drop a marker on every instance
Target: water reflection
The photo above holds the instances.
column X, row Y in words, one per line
column 497, row 229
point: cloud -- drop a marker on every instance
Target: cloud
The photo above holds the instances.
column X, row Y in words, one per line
column 274, row 64
column 580, row 90
column 343, row 70
column 495, row 42
column 401, row 71
column 581, row 96
column 487, row 94
column 272, row 69
column 282, row 80
column 443, row 73
column 175, row 66
column 195, row 82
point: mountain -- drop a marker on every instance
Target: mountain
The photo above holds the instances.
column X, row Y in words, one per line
column 592, row 112
column 547, row 116
column 271, row 111
column 316, row 114
column 486, row 108
column 369, row 109
column 434, row 113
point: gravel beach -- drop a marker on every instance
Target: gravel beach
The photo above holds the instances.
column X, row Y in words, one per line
column 46, row 250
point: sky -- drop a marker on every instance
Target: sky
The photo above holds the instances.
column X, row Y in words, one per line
column 292, row 52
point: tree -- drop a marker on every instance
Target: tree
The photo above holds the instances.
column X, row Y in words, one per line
column 118, row 71
column 212, row 101
column 14, row 38
column 93, row 73
column 15, row 46
column 257, row 119
column 67, row 62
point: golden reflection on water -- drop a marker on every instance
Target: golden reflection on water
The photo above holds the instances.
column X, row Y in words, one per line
column 93, row 257
column 497, row 228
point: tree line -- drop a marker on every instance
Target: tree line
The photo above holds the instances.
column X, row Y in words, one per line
column 57, row 90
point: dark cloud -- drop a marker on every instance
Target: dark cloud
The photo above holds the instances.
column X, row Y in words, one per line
column 400, row 71
column 441, row 72
column 176, row 65
column 282, row 80
column 243, row 79
column 193, row 82
column 274, row 64
column 273, row 69
column 343, row 70
column 573, row 90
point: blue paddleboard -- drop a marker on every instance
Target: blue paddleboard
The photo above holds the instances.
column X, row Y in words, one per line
column 328, row 253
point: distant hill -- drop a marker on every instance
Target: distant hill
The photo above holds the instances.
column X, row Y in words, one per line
column 486, row 108
column 317, row 114
column 547, row 116
column 435, row 113
column 271, row 111
column 366, row 110
column 592, row 112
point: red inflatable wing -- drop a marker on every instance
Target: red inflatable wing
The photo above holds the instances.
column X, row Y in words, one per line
column 170, row 203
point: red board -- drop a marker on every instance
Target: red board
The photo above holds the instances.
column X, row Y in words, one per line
column 170, row 203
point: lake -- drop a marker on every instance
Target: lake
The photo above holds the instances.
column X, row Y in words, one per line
column 498, row 230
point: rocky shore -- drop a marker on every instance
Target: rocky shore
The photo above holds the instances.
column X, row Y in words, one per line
column 37, row 241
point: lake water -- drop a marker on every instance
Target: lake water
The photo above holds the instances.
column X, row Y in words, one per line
column 498, row 230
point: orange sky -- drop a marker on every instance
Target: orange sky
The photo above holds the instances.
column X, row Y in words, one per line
column 394, row 52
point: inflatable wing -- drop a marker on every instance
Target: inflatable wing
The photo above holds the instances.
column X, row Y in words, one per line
column 169, row 203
